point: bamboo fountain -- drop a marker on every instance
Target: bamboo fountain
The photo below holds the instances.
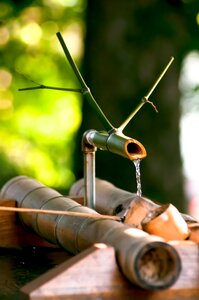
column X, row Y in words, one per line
column 121, row 245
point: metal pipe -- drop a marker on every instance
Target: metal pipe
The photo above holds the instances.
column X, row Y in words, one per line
column 134, row 248
column 89, row 172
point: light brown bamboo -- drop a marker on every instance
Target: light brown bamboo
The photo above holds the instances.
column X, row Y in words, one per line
column 144, row 259
column 167, row 222
column 59, row 212
column 194, row 232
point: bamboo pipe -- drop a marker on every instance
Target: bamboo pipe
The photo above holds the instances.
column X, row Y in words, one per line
column 135, row 249
column 112, row 200
column 115, row 142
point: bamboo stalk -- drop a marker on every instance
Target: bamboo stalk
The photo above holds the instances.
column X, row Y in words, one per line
column 145, row 98
column 58, row 212
column 87, row 93
column 42, row 86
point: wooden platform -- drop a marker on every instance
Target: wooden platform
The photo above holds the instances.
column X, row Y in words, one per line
column 94, row 274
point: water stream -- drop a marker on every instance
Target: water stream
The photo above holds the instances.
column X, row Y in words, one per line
column 138, row 177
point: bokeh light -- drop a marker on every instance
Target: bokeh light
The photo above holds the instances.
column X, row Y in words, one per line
column 31, row 33
column 38, row 126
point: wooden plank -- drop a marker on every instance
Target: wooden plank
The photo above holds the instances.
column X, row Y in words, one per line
column 90, row 273
column 12, row 232
column 78, row 199
column 189, row 254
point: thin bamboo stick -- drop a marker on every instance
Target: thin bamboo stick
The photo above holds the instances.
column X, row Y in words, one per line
column 59, row 212
column 145, row 98
column 87, row 93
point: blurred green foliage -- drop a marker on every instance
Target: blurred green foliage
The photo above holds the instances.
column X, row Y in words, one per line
column 38, row 127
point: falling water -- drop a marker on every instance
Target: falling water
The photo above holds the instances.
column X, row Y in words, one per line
column 138, row 177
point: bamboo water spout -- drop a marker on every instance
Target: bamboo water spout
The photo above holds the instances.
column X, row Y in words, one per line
column 145, row 260
column 115, row 142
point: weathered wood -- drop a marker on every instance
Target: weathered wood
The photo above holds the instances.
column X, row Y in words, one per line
column 13, row 234
column 189, row 254
column 88, row 275
column 78, row 199
column 94, row 274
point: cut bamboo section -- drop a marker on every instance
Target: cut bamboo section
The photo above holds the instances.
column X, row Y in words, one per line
column 167, row 222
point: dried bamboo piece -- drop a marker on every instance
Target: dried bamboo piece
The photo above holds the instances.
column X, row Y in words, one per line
column 194, row 232
column 167, row 222
column 144, row 259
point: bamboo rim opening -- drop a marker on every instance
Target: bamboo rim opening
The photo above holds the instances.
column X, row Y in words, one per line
column 158, row 266
column 135, row 150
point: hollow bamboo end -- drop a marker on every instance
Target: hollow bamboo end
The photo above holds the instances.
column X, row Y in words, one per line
column 158, row 266
column 135, row 150
column 13, row 181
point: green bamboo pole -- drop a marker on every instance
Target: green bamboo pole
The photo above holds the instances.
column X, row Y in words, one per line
column 145, row 98
column 42, row 86
column 86, row 91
